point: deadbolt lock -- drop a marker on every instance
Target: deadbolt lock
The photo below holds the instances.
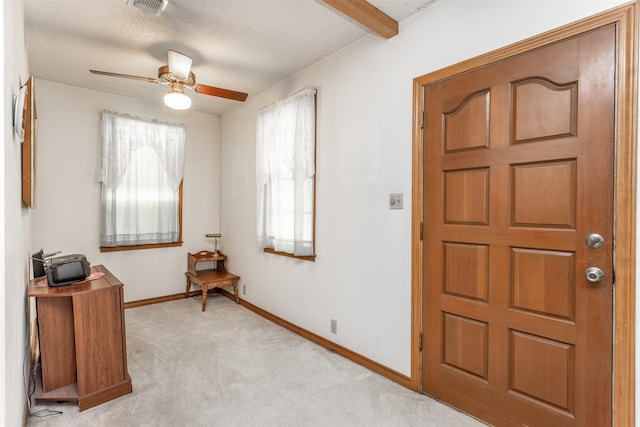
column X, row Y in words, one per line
column 594, row 240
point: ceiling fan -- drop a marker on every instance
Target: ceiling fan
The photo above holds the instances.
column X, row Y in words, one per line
column 177, row 74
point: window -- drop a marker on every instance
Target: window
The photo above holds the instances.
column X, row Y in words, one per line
column 141, row 176
column 285, row 175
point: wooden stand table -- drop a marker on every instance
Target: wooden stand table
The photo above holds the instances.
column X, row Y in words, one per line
column 82, row 341
column 212, row 278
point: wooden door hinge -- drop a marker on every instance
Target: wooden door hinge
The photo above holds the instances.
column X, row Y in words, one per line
column 421, row 233
column 420, row 342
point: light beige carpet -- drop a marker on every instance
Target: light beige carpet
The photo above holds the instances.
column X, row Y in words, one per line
column 230, row 367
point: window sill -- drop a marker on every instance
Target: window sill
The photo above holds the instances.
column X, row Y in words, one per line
column 311, row 258
column 137, row 247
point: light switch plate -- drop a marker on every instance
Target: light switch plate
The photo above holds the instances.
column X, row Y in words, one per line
column 395, row 201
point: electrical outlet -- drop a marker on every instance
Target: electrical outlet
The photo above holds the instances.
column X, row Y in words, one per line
column 395, row 201
column 334, row 326
column 244, row 290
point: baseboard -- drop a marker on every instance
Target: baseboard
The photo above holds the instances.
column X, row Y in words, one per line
column 376, row 367
column 156, row 300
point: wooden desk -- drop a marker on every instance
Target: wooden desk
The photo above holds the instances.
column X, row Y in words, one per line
column 81, row 331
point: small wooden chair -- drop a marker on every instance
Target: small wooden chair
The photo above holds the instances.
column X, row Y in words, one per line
column 208, row 279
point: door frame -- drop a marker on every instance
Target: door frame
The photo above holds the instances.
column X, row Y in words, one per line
column 624, row 209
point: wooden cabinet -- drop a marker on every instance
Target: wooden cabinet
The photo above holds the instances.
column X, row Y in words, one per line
column 82, row 339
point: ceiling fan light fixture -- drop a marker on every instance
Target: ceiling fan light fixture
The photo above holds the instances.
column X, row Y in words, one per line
column 178, row 75
column 176, row 98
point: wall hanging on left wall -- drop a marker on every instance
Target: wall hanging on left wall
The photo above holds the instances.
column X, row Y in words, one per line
column 18, row 113
column 29, row 138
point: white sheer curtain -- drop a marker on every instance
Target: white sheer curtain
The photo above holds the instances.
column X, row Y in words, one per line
column 285, row 170
column 142, row 167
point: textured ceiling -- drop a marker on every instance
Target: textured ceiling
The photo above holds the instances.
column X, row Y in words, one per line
column 243, row 45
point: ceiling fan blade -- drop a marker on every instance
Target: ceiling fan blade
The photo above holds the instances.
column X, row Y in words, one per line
column 179, row 64
column 221, row 93
column 126, row 76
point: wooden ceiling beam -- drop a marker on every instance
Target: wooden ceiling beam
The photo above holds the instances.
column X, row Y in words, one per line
column 368, row 15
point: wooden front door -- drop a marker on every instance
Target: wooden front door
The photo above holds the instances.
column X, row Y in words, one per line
column 518, row 171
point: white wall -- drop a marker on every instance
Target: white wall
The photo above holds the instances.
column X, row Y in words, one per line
column 362, row 275
column 67, row 214
column 15, row 226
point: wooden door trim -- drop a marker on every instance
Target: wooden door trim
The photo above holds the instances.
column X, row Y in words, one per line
column 625, row 17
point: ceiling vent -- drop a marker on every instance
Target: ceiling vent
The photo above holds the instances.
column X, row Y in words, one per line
column 155, row 7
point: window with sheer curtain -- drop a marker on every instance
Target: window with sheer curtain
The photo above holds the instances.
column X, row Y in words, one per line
column 285, row 175
column 141, row 177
